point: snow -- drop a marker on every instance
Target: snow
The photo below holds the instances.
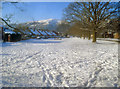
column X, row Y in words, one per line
column 35, row 32
column 0, row 65
column 6, row 30
column 9, row 31
column 48, row 33
column 47, row 20
column 25, row 32
column 109, row 39
column 50, row 24
column 70, row 62
column 42, row 32
column 53, row 33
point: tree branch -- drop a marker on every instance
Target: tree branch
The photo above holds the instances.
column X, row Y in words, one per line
column 7, row 23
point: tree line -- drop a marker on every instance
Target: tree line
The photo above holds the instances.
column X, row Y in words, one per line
column 92, row 17
column 84, row 19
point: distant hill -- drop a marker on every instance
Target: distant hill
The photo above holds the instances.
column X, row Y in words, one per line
column 50, row 24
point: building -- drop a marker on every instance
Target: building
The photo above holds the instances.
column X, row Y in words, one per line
column 9, row 35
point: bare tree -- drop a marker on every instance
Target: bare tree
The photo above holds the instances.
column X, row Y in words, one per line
column 7, row 19
column 63, row 27
column 90, row 15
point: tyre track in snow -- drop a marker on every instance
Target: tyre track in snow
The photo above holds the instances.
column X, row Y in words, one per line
column 93, row 77
column 17, row 64
column 53, row 75
column 92, row 81
column 25, row 59
column 54, row 72
column 47, row 77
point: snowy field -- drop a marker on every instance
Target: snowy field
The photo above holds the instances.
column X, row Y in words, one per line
column 70, row 62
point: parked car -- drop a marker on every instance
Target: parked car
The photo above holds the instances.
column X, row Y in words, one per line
column 33, row 36
column 45, row 37
column 39, row 37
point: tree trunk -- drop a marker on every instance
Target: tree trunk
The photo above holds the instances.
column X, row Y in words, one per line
column 89, row 35
column 3, row 34
column 118, row 34
column 9, row 38
column 84, row 36
column 94, row 35
column 80, row 36
column 89, row 38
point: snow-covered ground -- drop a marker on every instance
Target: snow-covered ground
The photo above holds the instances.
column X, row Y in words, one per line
column 70, row 62
column 109, row 39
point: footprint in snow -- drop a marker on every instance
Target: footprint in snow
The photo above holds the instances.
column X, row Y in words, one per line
column 50, row 77
column 48, row 83
column 44, row 78
column 58, row 78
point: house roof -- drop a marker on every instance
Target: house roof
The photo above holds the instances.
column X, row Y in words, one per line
column 6, row 30
column 9, row 31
